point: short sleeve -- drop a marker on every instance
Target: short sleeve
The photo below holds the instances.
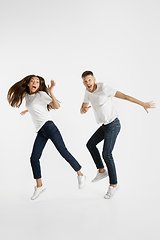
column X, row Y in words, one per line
column 110, row 92
column 45, row 97
column 86, row 97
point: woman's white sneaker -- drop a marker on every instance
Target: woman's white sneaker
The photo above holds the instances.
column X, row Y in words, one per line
column 38, row 191
column 81, row 181
column 100, row 176
column 111, row 191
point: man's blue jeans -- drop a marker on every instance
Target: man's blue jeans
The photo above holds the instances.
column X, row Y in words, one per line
column 108, row 133
column 50, row 131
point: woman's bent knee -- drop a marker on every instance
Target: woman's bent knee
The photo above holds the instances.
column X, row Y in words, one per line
column 88, row 145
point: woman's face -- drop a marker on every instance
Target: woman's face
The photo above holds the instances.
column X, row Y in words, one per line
column 34, row 85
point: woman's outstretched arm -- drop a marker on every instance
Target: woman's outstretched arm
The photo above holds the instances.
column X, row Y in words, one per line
column 23, row 112
column 145, row 105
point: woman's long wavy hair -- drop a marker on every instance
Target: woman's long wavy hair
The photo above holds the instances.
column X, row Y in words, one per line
column 18, row 91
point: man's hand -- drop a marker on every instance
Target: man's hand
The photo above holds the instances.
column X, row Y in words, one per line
column 147, row 105
column 85, row 109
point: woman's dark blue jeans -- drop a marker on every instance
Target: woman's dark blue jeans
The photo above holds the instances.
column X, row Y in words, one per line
column 108, row 133
column 50, row 131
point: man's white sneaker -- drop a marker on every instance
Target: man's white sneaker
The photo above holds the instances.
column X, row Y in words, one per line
column 111, row 191
column 100, row 176
column 38, row 191
column 81, row 181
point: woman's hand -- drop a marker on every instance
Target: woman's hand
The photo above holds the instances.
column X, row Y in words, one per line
column 54, row 104
column 23, row 112
column 50, row 88
column 147, row 105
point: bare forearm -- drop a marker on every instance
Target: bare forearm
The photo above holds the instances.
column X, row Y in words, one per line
column 145, row 105
column 134, row 100
column 55, row 102
column 128, row 98
column 23, row 112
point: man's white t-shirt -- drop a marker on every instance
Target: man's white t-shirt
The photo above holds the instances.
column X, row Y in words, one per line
column 101, row 101
column 36, row 105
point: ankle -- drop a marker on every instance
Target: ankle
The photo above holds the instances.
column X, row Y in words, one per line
column 79, row 173
column 39, row 182
column 113, row 185
column 101, row 170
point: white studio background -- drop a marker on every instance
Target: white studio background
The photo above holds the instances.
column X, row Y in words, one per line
column 119, row 42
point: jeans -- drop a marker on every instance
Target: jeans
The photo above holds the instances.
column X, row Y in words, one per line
column 108, row 133
column 50, row 131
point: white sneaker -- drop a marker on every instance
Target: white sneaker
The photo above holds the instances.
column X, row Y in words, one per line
column 111, row 191
column 100, row 176
column 38, row 191
column 81, row 181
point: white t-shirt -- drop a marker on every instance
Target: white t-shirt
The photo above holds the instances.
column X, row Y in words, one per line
column 36, row 105
column 101, row 101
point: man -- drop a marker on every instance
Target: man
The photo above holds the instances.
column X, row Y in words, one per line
column 100, row 96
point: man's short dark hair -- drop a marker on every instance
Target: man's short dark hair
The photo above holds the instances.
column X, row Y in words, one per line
column 86, row 73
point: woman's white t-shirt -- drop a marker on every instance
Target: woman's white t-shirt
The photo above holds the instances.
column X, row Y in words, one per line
column 101, row 101
column 36, row 105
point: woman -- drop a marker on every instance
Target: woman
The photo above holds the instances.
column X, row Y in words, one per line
column 39, row 100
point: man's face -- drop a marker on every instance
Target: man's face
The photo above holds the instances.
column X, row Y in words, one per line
column 89, row 83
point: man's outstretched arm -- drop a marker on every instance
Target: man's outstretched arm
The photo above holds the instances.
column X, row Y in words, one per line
column 145, row 105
